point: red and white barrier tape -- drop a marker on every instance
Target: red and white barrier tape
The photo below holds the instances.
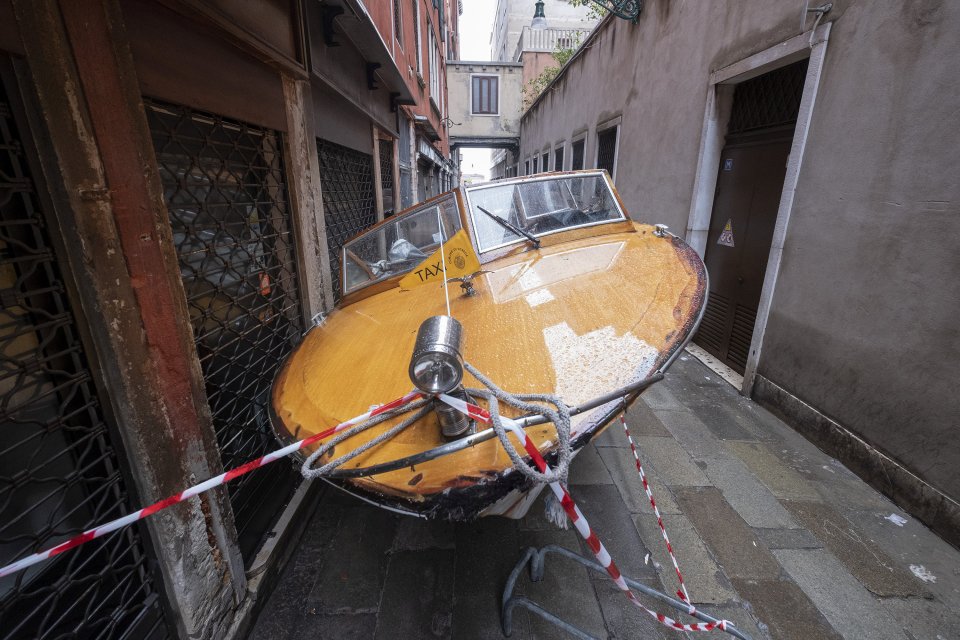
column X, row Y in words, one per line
column 223, row 478
column 682, row 593
column 579, row 521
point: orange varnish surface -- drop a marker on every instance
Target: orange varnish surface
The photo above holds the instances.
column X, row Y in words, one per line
column 578, row 319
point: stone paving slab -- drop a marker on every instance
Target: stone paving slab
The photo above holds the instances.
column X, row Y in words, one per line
column 732, row 542
column 604, row 510
column 694, row 436
column 704, row 579
column 630, row 622
column 867, row 562
column 845, row 603
column 588, row 468
column 418, row 596
column 787, row 538
column 623, row 470
column 415, row 534
column 921, row 619
column 782, row 481
column 673, row 465
column 351, row 577
column 751, row 499
column 487, row 551
column 566, row 590
column 785, row 610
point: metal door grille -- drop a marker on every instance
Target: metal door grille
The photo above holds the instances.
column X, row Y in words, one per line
column 59, row 471
column 346, row 178
column 386, row 177
column 607, row 149
column 576, row 160
column 770, row 100
column 224, row 186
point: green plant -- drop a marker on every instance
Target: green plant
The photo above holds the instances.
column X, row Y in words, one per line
column 536, row 86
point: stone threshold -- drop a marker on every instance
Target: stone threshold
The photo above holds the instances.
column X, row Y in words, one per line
column 715, row 365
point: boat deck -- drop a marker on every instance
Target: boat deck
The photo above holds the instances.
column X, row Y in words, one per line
column 770, row 533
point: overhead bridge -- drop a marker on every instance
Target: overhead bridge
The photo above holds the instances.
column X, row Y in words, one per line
column 485, row 104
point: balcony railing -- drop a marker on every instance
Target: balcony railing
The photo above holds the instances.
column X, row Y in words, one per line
column 548, row 39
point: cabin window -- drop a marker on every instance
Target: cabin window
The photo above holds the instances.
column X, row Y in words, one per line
column 485, row 95
column 399, row 244
column 540, row 207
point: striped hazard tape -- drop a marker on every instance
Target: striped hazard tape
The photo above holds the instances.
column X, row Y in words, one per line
column 682, row 593
column 580, row 522
column 223, row 478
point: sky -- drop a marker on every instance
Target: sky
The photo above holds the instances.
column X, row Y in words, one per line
column 476, row 24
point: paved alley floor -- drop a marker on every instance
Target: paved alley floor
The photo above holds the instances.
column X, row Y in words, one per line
column 770, row 533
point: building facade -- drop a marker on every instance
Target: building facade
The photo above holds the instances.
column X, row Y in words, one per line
column 810, row 158
column 176, row 180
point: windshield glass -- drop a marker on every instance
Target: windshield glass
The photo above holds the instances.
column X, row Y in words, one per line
column 540, row 207
column 398, row 245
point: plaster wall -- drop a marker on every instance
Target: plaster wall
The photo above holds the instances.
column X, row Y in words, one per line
column 507, row 123
column 863, row 324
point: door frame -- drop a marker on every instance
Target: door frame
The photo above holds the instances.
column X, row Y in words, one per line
column 811, row 45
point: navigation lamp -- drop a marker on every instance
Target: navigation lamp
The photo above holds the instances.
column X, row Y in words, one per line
column 436, row 366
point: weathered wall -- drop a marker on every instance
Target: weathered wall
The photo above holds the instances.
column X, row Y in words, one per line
column 864, row 319
column 513, row 15
column 507, row 124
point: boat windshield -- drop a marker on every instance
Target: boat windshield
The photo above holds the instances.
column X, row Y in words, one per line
column 540, row 206
column 399, row 244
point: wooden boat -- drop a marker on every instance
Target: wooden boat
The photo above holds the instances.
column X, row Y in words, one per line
column 586, row 304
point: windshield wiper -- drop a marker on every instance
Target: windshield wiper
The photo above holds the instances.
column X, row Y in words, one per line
column 509, row 227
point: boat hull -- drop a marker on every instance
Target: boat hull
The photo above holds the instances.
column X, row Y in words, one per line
column 578, row 319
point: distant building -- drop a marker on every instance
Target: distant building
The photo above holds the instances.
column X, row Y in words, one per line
column 815, row 168
column 531, row 40
column 513, row 16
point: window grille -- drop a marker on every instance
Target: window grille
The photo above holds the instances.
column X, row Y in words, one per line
column 576, row 160
column 59, row 466
column 484, row 95
column 558, row 159
column 607, row 149
column 386, row 177
column 223, row 183
column 770, row 100
column 346, row 178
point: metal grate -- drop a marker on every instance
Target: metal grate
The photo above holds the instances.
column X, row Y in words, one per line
column 386, row 177
column 558, row 159
column 59, row 471
column 224, row 186
column 770, row 100
column 576, row 160
column 607, row 149
column 346, row 177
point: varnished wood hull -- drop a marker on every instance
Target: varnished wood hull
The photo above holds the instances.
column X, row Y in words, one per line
column 577, row 319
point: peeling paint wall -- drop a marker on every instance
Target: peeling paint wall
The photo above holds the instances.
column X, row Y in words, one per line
column 863, row 324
